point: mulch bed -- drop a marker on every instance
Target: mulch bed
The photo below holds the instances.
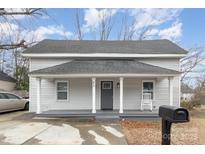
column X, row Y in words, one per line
column 139, row 132
column 149, row 132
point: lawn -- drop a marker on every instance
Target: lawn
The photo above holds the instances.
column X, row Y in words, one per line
column 149, row 132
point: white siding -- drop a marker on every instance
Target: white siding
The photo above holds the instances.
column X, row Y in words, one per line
column 32, row 94
column 80, row 94
column 40, row 63
column 170, row 63
column 36, row 64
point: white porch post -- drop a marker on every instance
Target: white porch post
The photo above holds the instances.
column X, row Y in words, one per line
column 38, row 100
column 121, row 95
column 170, row 90
column 93, row 95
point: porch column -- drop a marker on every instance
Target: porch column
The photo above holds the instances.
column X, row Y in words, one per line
column 93, row 95
column 38, row 100
column 170, row 90
column 121, row 95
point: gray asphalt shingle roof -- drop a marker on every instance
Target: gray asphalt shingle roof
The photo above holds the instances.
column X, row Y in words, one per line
column 6, row 77
column 90, row 46
column 104, row 67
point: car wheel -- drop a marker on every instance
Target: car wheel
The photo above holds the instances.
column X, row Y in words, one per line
column 26, row 106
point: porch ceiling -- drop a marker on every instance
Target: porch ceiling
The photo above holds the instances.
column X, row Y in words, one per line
column 110, row 68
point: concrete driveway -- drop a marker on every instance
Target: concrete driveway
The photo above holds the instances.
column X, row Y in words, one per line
column 24, row 128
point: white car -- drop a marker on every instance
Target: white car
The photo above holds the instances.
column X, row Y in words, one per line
column 11, row 102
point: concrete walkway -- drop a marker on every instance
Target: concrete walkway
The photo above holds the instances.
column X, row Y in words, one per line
column 23, row 128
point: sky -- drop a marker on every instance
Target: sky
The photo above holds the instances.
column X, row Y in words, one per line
column 182, row 26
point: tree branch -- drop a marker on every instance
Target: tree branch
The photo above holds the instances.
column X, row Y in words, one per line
column 28, row 11
column 21, row 44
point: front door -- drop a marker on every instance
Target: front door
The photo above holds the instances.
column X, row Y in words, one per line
column 106, row 95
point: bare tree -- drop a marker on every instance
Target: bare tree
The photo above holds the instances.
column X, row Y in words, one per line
column 13, row 40
column 10, row 14
column 78, row 26
column 26, row 11
column 128, row 30
column 105, row 25
column 191, row 61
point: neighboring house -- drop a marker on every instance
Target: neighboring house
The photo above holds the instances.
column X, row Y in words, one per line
column 103, row 75
column 7, row 83
column 201, row 98
column 186, row 92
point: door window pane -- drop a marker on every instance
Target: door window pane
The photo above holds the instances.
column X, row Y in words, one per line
column 148, row 90
column 107, row 85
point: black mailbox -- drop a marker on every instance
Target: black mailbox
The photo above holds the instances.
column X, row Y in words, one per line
column 173, row 114
column 169, row 115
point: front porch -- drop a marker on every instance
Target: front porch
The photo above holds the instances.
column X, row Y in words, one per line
column 119, row 86
column 85, row 95
column 99, row 114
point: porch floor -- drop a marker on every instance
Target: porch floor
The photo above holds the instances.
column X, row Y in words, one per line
column 99, row 114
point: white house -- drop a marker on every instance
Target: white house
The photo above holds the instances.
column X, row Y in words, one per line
column 103, row 75
column 186, row 92
column 7, row 83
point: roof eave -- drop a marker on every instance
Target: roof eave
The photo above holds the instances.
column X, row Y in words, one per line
column 101, row 75
column 101, row 55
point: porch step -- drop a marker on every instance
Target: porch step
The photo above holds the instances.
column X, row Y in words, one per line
column 102, row 117
column 65, row 115
column 151, row 116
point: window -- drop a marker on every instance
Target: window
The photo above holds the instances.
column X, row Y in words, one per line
column 107, row 85
column 148, row 90
column 11, row 96
column 62, row 90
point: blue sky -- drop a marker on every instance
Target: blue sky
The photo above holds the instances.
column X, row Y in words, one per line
column 182, row 26
column 185, row 27
column 193, row 27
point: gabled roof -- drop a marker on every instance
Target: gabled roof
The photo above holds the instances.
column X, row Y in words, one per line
column 103, row 67
column 6, row 77
column 90, row 46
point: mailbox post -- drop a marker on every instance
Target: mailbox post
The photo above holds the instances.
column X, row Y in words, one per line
column 169, row 115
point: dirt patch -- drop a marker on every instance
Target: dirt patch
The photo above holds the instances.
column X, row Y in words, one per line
column 149, row 132
column 141, row 132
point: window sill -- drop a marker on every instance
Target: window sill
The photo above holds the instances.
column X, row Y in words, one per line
column 62, row 101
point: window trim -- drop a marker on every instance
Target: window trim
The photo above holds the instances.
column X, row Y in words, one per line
column 56, row 91
column 153, row 81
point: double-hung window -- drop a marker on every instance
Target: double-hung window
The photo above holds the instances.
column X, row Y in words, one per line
column 62, row 90
column 148, row 90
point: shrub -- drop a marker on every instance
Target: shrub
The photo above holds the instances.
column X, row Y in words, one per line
column 190, row 104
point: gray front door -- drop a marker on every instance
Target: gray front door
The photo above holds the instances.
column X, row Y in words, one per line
column 106, row 95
